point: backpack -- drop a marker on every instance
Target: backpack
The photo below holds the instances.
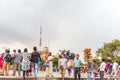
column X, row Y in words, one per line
column 8, row 58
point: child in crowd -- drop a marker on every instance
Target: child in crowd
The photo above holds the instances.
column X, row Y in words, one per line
column 69, row 67
column 119, row 71
column 62, row 65
column 29, row 72
column 102, row 69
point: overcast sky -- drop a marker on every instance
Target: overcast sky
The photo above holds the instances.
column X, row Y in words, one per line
column 67, row 24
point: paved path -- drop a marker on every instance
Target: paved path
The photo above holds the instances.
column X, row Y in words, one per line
column 41, row 76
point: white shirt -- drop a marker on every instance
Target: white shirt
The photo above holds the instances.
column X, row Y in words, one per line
column 115, row 65
column 102, row 66
column 63, row 62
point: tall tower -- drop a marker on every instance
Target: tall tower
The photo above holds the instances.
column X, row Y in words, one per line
column 40, row 44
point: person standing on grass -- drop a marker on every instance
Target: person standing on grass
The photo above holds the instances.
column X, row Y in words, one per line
column 62, row 65
column 102, row 69
column 17, row 61
column 25, row 62
column 77, row 71
column 35, row 57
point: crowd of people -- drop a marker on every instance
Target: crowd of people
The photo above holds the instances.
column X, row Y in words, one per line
column 25, row 61
column 20, row 60
column 106, row 69
column 67, row 67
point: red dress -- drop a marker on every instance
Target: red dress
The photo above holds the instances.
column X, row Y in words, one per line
column 1, row 62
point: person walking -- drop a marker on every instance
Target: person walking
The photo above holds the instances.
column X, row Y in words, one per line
column 7, row 60
column 102, row 69
column 115, row 68
column 62, row 65
column 77, row 63
column 17, row 61
column 111, row 66
column 95, row 65
column 25, row 62
column 35, row 57
column 107, row 68
column 90, row 68
column 49, row 67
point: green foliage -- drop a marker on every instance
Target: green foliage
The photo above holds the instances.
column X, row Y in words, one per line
column 42, row 63
column 110, row 50
column 98, row 61
column 55, row 61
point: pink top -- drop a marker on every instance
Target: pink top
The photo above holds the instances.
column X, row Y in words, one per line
column 1, row 60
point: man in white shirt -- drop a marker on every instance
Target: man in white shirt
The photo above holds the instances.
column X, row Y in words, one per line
column 102, row 69
column 114, row 68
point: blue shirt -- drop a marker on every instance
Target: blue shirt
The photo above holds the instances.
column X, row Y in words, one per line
column 77, row 62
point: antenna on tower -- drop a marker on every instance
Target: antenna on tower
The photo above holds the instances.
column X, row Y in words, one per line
column 40, row 44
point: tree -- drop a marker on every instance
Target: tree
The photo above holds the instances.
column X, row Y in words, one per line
column 42, row 63
column 110, row 50
column 97, row 61
column 55, row 61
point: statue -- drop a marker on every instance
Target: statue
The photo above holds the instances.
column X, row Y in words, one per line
column 45, row 54
column 87, row 54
